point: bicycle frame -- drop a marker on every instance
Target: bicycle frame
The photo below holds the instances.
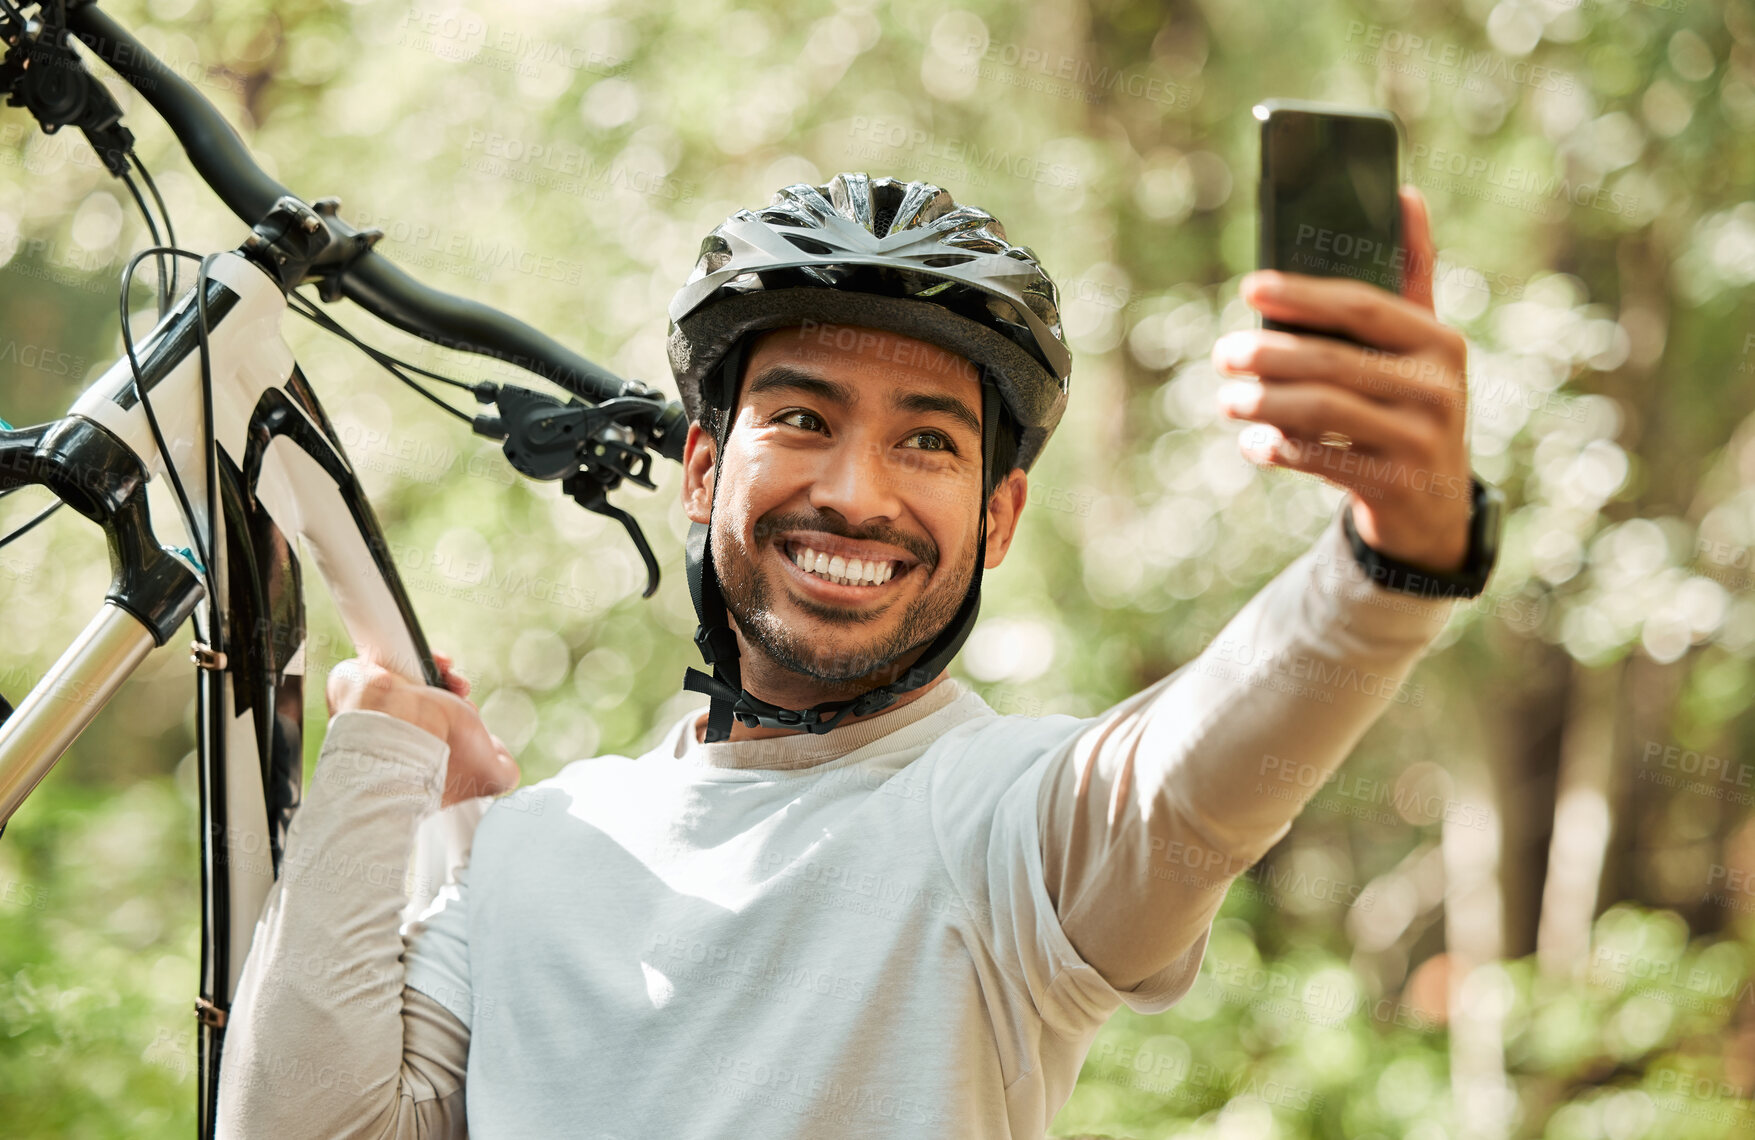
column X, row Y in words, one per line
column 282, row 474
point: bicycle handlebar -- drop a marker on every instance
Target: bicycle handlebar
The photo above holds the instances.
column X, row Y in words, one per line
column 373, row 282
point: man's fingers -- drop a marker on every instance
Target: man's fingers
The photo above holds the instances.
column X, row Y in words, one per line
column 1364, row 312
column 1306, row 409
column 1385, row 377
column 455, row 681
column 1421, row 252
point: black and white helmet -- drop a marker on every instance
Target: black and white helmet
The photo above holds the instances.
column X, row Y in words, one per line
column 886, row 254
column 898, row 256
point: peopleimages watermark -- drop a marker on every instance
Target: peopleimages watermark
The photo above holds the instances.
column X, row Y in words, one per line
column 467, row 254
column 16, row 892
column 1702, row 773
column 466, row 37
column 724, row 965
column 1669, row 980
column 826, row 1098
column 1731, row 887
column 874, row 138
column 1283, row 778
column 1173, row 1074
column 50, row 152
column 1066, row 76
column 72, row 267
column 1520, row 187
column 38, row 358
column 1733, row 565
column 569, row 169
column 475, row 580
column 1327, row 676
column 1277, row 990
column 1450, row 64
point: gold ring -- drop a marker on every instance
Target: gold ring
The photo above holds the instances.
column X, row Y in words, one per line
column 1335, row 439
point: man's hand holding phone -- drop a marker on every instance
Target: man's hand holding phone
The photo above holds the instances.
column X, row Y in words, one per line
column 1399, row 395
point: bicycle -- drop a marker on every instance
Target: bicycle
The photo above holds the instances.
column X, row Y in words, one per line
column 212, row 399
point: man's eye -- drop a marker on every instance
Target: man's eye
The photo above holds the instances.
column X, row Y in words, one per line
column 937, row 441
column 811, row 421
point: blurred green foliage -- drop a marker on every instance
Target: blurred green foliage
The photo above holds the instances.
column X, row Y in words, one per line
column 1587, row 165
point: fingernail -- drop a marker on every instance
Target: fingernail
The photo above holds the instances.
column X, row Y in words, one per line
column 1240, row 396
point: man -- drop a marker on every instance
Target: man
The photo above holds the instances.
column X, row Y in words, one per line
column 849, row 900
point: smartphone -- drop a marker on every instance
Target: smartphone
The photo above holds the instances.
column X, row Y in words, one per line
column 1329, row 203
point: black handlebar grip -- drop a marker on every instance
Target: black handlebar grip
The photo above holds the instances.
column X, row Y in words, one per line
column 385, row 291
column 218, row 154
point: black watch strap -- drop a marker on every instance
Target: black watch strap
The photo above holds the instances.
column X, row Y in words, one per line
column 1466, row 582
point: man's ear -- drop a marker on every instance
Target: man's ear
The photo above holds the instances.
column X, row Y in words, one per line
column 1003, row 510
column 697, row 488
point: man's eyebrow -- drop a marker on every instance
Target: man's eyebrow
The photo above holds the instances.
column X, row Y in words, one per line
column 930, row 402
column 782, row 378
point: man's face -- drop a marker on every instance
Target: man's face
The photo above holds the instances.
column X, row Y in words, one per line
column 844, row 533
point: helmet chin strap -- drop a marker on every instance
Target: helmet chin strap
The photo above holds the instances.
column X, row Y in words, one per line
column 718, row 644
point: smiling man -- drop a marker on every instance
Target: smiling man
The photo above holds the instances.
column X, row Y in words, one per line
column 846, row 435
column 847, row 899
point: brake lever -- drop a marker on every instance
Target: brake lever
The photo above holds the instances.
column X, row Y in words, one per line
column 589, row 493
column 43, row 74
column 591, row 448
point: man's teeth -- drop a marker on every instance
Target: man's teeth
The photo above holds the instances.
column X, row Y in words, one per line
column 844, row 571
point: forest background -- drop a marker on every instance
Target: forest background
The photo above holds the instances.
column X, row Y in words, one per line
column 1527, row 905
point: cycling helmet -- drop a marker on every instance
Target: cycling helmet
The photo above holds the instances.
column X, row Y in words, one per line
column 903, row 257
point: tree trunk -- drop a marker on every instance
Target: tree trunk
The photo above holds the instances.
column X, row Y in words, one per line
column 1583, row 817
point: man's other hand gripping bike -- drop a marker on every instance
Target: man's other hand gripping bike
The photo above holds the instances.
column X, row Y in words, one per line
column 212, row 399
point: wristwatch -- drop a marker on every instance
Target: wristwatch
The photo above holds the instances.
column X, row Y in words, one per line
column 1466, row 582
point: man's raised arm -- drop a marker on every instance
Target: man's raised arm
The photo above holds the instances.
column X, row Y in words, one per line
column 1177, row 790
column 1170, row 795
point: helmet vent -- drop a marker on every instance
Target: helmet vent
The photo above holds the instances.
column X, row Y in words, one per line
column 886, row 199
column 945, row 261
column 808, row 245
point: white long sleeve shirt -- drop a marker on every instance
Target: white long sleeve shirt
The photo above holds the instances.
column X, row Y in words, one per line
column 910, row 926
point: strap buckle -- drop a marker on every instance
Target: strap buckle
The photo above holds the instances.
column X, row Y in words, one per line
column 205, row 656
column 716, row 644
column 209, row 1014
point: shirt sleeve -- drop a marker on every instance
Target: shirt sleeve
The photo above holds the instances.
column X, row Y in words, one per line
column 1148, row 814
column 437, row 960
column 323, row 1038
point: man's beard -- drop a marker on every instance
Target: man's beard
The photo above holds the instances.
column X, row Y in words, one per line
column 749, row 600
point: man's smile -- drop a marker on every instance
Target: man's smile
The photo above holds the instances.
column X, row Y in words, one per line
column 834, row 569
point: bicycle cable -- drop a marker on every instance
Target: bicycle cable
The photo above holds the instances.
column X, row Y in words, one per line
column 163, row 212
column 164, row 292
column 164, row 297
column 158, row 438
column 27, row 527
column 210, row 444
column 303, row 306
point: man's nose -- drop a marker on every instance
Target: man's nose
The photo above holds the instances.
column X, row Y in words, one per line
column 859, row 482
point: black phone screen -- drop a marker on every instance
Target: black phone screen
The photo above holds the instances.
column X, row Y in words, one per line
column 1329, row 204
